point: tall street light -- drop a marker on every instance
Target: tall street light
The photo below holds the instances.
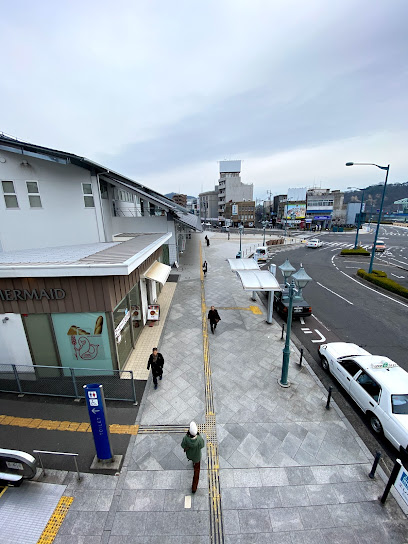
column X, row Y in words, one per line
column 240, row 229
column 299, row 280
column 359, row 215
column 387, row 168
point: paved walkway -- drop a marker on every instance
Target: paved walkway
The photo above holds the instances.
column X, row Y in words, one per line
column 290, row 471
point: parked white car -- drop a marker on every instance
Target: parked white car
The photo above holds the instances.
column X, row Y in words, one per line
column 314, row 243
column 377, row 384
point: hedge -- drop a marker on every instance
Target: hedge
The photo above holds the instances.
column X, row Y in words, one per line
column 381, row 280
column 359, row 251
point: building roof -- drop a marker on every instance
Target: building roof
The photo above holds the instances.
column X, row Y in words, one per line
column 101, row 259
column 14, row 145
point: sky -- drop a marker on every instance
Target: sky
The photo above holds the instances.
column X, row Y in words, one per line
column 161, row 90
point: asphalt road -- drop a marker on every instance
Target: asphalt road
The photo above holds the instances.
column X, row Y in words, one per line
column 349, row 310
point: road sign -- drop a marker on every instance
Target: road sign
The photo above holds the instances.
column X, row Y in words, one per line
column 95, row 401
column 401, row 483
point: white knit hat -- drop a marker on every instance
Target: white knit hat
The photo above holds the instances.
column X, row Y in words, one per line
column 193, row 428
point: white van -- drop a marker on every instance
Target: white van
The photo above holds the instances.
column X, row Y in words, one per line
column 261, row 253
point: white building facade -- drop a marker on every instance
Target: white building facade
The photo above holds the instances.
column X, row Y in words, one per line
column 230, row 186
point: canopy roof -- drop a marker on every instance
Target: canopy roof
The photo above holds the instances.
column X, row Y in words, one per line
column 158, row 272
column 243, row 264
column 258, row 280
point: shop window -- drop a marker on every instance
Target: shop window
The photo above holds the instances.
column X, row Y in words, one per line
column 33, row 194
column 122, row 321
column 10, row 197
column 136, row 311
column 88, row 195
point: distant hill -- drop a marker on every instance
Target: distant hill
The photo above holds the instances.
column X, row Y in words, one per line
column 170, row 195
column 373, row 194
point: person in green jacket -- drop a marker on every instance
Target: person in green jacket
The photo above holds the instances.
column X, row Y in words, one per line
column 192, row 444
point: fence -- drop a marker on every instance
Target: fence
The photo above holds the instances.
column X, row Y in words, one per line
column 57, row 381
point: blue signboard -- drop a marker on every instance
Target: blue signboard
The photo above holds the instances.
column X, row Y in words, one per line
column 95, row 400
column 322, row 217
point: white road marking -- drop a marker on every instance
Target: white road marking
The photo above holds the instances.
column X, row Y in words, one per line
column 322, row 324
column 395, row 276
column 302, row 321
column 337, row 295
column 322, row 338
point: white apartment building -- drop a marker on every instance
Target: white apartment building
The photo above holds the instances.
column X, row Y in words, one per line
column 230, row 186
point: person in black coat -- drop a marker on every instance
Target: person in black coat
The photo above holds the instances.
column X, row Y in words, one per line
column 205, row 268
column 214, row 317
column 207, row 240
column 156, row 361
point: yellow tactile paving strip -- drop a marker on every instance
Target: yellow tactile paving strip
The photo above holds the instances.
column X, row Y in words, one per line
column 55, row 521
column 254, row 309
column 53, row 425
column 216, row 521
column 150, row 336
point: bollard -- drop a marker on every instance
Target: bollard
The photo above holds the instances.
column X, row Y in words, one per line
column 301, row 356
column 391, row 480
column 283, row 328
column 328, row 398
column 375, row 464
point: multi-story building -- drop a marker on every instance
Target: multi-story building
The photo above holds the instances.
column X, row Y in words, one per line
column 295, row 207
column 324, row 207
column 230, row 186
column 208, row 203
column 237, row 213
column 84, row 253
column 180, row 199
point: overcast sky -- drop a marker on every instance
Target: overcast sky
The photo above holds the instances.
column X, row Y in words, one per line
column 160, row 90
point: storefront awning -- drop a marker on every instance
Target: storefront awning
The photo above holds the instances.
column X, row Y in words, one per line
column 243, row 264
column 258, row 280
column 158, row 272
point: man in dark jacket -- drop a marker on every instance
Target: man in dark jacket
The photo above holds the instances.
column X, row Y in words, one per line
column 192, row 444
column 214, row 317
column 156, row 361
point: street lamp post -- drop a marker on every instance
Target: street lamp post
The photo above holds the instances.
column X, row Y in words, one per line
column 387, row 168
column 299, row 280
column 359, row 215
column 264, row 229
column 240, row 229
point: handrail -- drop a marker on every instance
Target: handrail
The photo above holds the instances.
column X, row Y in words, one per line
column 74, row 455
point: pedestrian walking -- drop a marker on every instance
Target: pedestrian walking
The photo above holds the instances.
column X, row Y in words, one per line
column 192, row 444
column 214, row 318
column 207, row 240
column 205, row 268
column 156, row 361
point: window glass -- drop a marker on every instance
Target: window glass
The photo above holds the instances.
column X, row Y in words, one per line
column 89, row 202
column 11, row 201
column 351, row 366
column 32, row 187
column 87, row 188
column 8, row 186
column 369, row 385
column 399, row 404
column 35, row 201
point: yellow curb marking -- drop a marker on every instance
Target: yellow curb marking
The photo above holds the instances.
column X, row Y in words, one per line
column 73, row 426
column 55, row 521
column 3, row 490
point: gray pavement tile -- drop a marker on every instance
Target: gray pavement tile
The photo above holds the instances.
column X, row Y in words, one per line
column 129, row 523
column 237, row 460
column 83, row 523
column 247, row 478
column 93, row 501
column 161, row 523
column 148, row 462
column 236, row 498
column 344, row 514
column 322, row 494
column 248, row 446
column 227, row 478
column 228, row 446
column 373, row 510
column 372, row 489
column 140, row 500
column 193, row 523
column 274, row 538
column 273, row 476
column 304, row 458
column 238, row 431
column 166, row 479
column 265, row 497
column 276, row 430
column 354, row 472
column 325, row 475
column 307, row 537
column 345, row 535
column 241, row 539
column 173, row 462
column 137, row 479
column 285, row 519
column 294, row 495
column 254, row 521
column 315, row 517
column 311, row 444
column 349, row 492
column 231, row 522
column 75, row 539
column 300, row 475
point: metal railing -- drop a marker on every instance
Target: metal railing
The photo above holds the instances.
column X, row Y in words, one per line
column 73, row 455
column 62, row 381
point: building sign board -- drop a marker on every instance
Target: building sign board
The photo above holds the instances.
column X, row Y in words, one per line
column 234, row 209
column 295, row 211
column 95, row 401
column 401, row 484
column 33, row 294
column 322, row 217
